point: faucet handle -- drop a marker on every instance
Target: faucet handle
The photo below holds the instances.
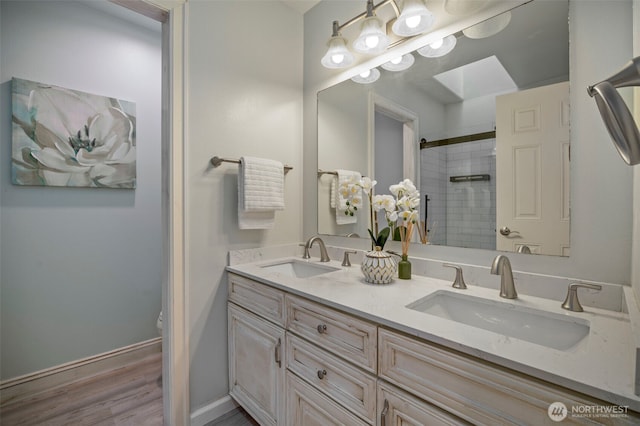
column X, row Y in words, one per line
column 571, row 302
column 459, row 280
column 345, row 259
column 305, row 254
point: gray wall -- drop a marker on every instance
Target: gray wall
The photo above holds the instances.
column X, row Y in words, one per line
column 80, row 268
column 244, row 97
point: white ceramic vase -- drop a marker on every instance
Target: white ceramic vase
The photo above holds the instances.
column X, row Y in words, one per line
column 378, row 266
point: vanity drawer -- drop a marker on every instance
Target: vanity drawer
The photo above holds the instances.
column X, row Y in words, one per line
column 482, row 393
column 306, row 406
column 347, row 385
column 258, row 298
column 342, row 334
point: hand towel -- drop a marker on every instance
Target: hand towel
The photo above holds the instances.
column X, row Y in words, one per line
column 344, row 176
column 260, row 192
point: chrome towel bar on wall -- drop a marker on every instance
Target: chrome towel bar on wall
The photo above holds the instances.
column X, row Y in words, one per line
column 217, row 161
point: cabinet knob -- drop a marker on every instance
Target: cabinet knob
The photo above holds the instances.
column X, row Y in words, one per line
column 321, row 374
column 322, row 328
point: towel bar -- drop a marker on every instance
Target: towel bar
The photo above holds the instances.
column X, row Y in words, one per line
column 217, row 161
column 325, row 172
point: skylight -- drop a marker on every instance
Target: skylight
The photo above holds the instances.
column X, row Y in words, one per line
column 484, row 77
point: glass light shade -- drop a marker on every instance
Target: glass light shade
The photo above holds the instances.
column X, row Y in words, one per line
column 337, row 56
column 414, row 19
column 489, row 27
column 399, row 64
column 463, row 7
column 372, row 38
column 438, row 48
column 367, row 77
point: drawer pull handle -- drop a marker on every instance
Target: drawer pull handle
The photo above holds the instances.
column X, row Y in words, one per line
column 384, row 412
column 322, row 328
column 321, row 374
column 278, row 354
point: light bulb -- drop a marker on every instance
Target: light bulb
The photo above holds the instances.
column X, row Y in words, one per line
column 437, row 44
column 413, row 21
column 337, row 58
column 396, row 61
column 365, row 74
column 371, row 41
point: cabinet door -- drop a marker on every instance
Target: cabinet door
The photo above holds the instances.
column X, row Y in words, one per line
column 256, row 367
column 308, row 407
column 401, row 409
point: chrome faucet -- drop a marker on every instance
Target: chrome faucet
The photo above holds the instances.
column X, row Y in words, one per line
column 502, row 266
column 324, row 256
column 571, row 302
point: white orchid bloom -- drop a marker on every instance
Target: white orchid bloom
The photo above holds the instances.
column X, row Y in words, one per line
column 396, row 189
column 367, row 184
column 356, row 201
column 408, row 186
column 384, row 202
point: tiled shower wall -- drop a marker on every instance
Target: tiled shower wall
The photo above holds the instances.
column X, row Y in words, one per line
column 460, row 214
column 433, row 183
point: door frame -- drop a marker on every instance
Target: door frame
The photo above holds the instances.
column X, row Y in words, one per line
column 410, row 128
column 175, row 342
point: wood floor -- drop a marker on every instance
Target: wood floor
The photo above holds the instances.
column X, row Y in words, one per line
column 237, row 417
column 130, row 395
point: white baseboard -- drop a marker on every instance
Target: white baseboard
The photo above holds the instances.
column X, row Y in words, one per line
column 212, row 411
column 33, row 383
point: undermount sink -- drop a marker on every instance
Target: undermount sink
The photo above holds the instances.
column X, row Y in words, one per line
column 536, row 326
column 299, row 268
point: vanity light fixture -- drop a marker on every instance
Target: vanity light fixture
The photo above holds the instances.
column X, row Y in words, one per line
column 367, row 77
column 439, row 47
column 489, row 27
column 372, row 38
column 400, row 63
column 414, row 19
column 337, row 56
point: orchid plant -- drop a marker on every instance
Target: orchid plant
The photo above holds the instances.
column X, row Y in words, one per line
column 400, row 208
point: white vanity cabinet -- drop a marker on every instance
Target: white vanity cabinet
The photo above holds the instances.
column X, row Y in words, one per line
column 294, row 361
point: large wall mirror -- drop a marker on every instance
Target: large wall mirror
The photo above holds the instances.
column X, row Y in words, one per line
column 483, row 132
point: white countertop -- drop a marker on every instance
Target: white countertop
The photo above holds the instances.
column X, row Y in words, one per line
column 601, row 365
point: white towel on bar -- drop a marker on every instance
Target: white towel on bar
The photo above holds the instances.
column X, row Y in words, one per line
column 337, row 201
column 260, row 192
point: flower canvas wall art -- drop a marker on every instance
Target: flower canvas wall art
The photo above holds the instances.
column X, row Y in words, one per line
column 64, row 137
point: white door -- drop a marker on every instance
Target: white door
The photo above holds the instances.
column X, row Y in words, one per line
column 532, row 170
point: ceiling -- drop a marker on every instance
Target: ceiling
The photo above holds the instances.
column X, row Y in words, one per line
column 540, row 26
column 301, row 6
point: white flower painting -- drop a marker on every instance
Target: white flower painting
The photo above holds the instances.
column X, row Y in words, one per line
column 63, row 137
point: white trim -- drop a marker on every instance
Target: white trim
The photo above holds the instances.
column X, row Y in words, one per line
column 410, row 127
column 39, row 381
column 175, row 362
column 176, row 348
column 212, row 411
